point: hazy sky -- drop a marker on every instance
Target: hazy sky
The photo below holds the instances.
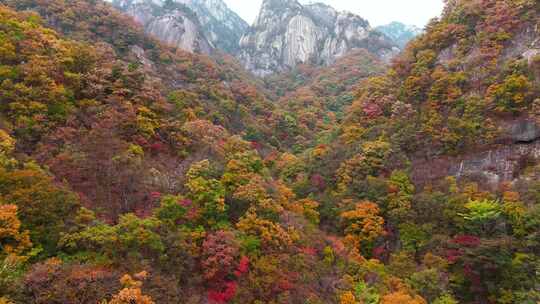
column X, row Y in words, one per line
column 377, row 12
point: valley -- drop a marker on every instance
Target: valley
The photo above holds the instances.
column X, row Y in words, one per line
column 166, row 151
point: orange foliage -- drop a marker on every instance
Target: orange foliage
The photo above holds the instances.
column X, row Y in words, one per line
column 401, row 297
column 131, row 293
column 364, row 224
column 272, row 235
column 347, row 298
column 13, row 241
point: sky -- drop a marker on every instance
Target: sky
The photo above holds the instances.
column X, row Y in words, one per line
column 377, row 12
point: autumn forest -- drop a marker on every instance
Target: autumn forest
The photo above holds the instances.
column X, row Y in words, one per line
column 134, row 172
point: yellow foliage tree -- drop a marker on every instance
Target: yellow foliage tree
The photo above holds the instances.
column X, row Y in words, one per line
column 146, row 121
column 253, row 192
column 347, row 298
column 402, row 297
column 369, row 162
column 13, row 241
column 272, row 234
column 352, row 133
column 7, row 145
column 4, row 300
column 306, row 207
column 131, row 293
column 364, row 224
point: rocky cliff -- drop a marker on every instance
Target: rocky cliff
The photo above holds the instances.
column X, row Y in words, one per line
column 517, row 144
column 221, row 26
column 400, row 33
column 506, row 162
column 287, row 33
column 467, row 93
column 193, row 25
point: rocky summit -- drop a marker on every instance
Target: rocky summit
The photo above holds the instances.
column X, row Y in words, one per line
column 287, row 33
column 221, row 26
column 133, row 172
column 198, row 26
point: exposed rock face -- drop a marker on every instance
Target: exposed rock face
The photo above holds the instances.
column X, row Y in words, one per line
column 525, row 45
column 171, row 22
column 193, row 25
column 524, row 131
column 222, row 26
column 400, row 33
column 502, row 163
column 518, row 144
column 141, row 57
column 287, row 33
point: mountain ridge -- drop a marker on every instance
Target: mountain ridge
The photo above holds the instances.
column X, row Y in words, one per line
column 287, row 33
column 134, row 172
column 315, row 33
column 193, row 25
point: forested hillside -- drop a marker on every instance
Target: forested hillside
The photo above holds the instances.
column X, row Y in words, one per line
column 312, row 100
column 135, row 172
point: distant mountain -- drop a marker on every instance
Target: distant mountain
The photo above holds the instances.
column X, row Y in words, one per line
column 132, row 171
column 287, row 33
column 400, row 33
column 193, row 25
column 221, row 25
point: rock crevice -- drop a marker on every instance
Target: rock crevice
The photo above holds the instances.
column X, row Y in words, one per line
column 501, row 163
column 287, row 33
column 197, row 26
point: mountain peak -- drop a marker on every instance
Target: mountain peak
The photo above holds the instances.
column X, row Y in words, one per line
column 193, row 25
column 399, row 32
column 270, row 8
column 280, row 3
column 287, row 33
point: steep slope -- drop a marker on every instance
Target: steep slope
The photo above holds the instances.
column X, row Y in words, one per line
column 446, row 145
column 128, row 90
column 184, row 202
column 400, row 33
column 192, row 25
column 178, row 210
column 311, row 100
column 222, row 26
column 287, row 33
column 171, row 22
column 461, row 100
column 471, row 81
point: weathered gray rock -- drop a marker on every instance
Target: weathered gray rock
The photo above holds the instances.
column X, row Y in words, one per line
column 287, row 33
column 531, row 54
column 141, row 57
column 491, row 167
column 192, row 25
column 171, row 22
column 222, row 26
column 524, row 131
column 500, row 163
column 497, row 165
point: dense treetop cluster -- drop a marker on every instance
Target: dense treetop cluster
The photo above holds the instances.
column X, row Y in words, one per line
column 133, row 172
